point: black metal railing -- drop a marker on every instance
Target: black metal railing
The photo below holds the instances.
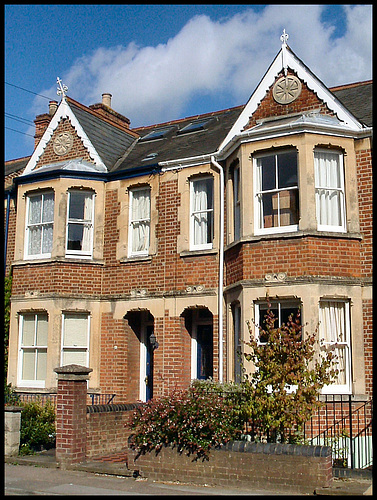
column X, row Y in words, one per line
column 42, row 398
column 345, row 424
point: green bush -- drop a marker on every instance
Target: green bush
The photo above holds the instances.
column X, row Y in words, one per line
column 37, row 427
column 206, row 415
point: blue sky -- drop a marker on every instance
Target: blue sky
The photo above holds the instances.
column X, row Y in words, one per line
column 162, row 62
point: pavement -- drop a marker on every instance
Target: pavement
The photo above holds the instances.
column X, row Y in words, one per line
column 355, row 483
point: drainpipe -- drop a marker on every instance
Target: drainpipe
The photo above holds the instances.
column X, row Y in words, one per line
column 221, row 267
column 6, row 232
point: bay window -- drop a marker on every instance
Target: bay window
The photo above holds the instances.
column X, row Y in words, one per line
column 39, row 225
column 276, row 192
column 33, row 350
column 329, row 190
column 139, row 222
column 201, row 213
column 80, row 223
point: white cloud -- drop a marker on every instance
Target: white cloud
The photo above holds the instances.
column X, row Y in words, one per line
column 227, row 57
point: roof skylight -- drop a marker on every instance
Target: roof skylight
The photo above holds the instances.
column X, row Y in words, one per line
column 156, row 134
column 194, row 126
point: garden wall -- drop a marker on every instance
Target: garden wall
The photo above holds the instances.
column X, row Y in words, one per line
column 107, row 428
column 284, row 467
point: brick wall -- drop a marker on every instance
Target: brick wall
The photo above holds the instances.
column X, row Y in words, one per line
column 107, row 428
column 288, row 468
column 307, row 256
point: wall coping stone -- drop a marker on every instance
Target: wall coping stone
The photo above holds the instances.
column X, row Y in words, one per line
column 73, row 372
column 112, row 407
column 277, row 449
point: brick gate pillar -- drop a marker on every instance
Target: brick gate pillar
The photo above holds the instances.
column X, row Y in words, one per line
column 71, row 414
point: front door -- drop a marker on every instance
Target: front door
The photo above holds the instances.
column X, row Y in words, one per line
column 204, row 353
column 149, row 364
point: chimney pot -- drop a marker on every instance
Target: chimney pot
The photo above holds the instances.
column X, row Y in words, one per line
column 106, row 99
column 53, row 106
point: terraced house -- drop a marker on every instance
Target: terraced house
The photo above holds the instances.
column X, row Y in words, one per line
column 143, row 252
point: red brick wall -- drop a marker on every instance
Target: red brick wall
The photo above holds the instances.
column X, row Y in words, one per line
column 57, row 277
column 286, row 468
column 71, row 421
column 77, row 151
column 107, row 430
column 307, row 256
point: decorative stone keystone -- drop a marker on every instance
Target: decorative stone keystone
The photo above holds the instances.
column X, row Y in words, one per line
column 71, row 414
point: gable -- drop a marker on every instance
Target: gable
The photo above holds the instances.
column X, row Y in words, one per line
column 286, row 64
column 64, row 144
column 306, row 100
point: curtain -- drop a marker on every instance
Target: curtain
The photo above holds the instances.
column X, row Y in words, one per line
column 140, row 220
column 202, row 209
column 41, row 224
column 88, row 224
column 333, row 331
column 328, row 189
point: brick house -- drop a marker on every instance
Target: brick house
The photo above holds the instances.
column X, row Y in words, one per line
column 142, row 253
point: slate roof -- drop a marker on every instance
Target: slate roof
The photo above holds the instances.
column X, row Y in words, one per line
column 109, row 141
column 176, row 144
column 357, row 98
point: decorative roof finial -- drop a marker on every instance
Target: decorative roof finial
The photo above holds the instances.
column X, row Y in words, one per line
column 284, row 37
column 62, row 89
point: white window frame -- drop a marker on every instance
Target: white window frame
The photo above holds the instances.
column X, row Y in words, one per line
column 41, row 224
column 330, row 191
column 146, row 221
column 22, row 348
column 237, row 203
column 193, row 213
column 258, row 192
column 336, row 388
column 88, row 223
column 75, row 346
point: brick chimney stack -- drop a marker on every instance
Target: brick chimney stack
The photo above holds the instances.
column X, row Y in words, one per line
column 104, row 109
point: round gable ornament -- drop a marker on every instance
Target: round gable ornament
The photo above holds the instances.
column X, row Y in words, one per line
column 286, row 89
column 63, row 143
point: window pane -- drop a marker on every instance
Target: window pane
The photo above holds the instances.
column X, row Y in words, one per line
column 75, row 357
column 75, row 236
column 76, row 205
column 41, row 364
column 48, row 208
column 28, row 364
column 267, row 164
column 42, row 330
column 34, row 244
column 75, row 330
column 287, row 169
column 35, row 204
column 47, row 239
column 140, row 237
column 28, row 330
